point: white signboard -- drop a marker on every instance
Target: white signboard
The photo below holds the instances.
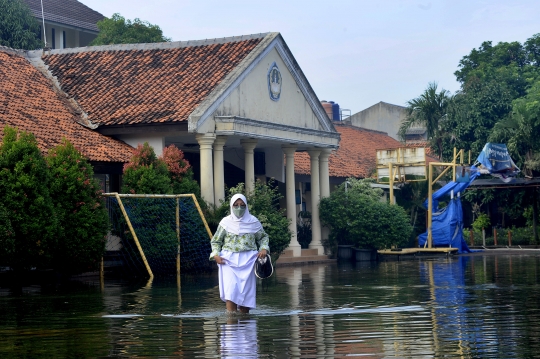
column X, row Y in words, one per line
column 405, row 161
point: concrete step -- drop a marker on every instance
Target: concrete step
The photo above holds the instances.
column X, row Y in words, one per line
column 286, row 253
column 304, row 252
column 309, row 252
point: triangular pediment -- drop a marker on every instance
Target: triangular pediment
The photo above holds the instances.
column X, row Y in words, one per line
column 269, row 96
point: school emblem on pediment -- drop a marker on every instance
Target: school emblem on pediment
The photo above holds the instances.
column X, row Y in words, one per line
column 274, row 82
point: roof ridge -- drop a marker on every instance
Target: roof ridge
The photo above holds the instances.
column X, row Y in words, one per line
column 13, row 51
column 81, row 116
column 150, row 46
column 348, row 124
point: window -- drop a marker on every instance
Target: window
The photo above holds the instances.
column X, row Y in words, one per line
column 63, row 39
column 53, row 43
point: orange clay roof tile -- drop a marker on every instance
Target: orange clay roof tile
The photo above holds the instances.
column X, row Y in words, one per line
column 356, row 156
column 28, row 102
column 178, row 79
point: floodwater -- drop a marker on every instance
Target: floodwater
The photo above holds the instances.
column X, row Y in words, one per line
column 458, row 307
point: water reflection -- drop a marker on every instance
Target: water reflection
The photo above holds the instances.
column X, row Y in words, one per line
column 238, row 338
column 479, row 306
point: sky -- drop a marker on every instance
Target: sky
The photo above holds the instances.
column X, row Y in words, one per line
column 354, row 52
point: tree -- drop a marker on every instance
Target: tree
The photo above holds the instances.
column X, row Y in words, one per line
column 180, row 173
column 520, row 130
column 118, row 30
column 428, row 110
column 18, row 28
column 146, row 173
column 24, row 194
column 82, row 216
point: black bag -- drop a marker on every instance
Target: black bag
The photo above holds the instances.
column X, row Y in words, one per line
column 263, row 267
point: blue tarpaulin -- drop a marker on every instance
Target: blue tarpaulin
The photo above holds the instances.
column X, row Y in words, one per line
column 495, row 160
column 447, row 224
column 447, row 228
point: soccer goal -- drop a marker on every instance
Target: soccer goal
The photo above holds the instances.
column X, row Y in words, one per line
column 158, row 234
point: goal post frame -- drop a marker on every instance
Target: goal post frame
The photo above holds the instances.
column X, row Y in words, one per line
column 177, row 197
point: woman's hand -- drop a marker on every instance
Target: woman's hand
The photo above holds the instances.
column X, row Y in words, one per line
column 262, row 253
column 219, row 260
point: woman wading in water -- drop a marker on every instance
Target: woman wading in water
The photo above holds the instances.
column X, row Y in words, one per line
column 234, row 248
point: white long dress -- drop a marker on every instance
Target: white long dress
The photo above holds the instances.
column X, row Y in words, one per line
column 237, row 281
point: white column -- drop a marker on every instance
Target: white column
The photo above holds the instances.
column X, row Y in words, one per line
column 219, row 176
column 315, row 198
column 325, row 182
column 207, row 176
column 249, row 145
column 290, row 197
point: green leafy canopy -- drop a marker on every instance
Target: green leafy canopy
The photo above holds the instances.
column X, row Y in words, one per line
column 118, row 30
column 18, row 28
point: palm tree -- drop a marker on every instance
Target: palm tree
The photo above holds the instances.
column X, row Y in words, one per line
column 428, row 110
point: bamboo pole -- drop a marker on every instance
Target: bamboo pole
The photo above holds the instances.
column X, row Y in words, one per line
column 430, row 205
column 134, row 235
column 114, row 194
column 391, row 181
column 202, row 216
column 101, row 274
column 454, row 162
column 178, row 235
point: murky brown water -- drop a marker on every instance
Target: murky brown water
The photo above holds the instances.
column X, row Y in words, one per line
column 462, row 307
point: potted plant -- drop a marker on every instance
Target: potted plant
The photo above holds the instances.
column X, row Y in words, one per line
column 303, row 229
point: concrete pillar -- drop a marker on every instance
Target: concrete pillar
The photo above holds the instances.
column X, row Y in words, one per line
column 315, row 198
column 325, row 183
column 249, row 145
column 219, row 176
column 290, row 197
column 207, row 177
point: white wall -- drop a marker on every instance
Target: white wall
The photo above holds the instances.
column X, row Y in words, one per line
column 382, row 117
column 157, row 141
column 74, row 38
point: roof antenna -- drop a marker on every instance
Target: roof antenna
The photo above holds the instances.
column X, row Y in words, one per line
column 43, row 18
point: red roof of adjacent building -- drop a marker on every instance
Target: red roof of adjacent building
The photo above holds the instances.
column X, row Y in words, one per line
column 357, row 153
column 29, row 102
column 123, row 85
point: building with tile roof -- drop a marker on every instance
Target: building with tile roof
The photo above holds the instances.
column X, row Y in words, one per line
column 30, row 102
column 231, row 103
column 68, row 23
column 386, row 117
column 356, row 155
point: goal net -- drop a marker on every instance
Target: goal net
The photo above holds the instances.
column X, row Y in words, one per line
column 158, row 234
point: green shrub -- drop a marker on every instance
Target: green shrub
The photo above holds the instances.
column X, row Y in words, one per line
column 520, row 236
column 7, row 235
column 482, row 221
column 358, row 217
column 263, row 203
column 24, row 194
column 82, row 216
